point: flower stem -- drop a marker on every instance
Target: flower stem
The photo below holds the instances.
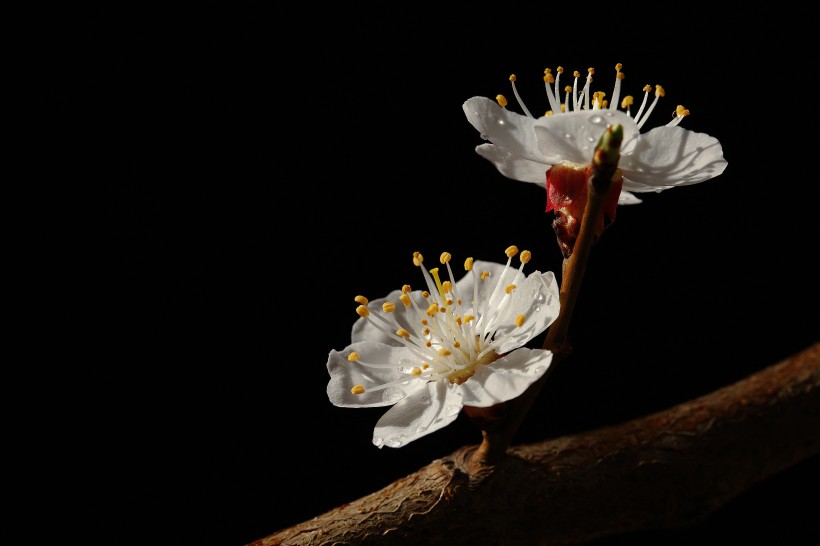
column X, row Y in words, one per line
column 605, row 164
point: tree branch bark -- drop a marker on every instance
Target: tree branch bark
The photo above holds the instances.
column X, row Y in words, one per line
column 668, row 469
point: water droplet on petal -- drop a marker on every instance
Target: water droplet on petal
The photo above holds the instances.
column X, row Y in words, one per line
column 589, row 138
column 405, row 362
column 452, row 409
column 392, row 395
column 567, row 135
column 537, row 308
column 539, row 369
column 392, row 443
column 377, row 441
column 541, row 298
column 597, row 120
column 501, row 122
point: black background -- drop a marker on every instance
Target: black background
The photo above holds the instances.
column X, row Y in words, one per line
column 227, row 182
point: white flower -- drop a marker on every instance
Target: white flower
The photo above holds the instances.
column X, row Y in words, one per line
column 524, row 147
column 429, row 353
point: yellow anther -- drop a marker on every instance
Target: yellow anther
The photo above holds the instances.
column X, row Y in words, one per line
column 405, row 299
column 548, row 71
column 456, row 344
column 458, row 321
column 429, row 344
column 468, row 318
column 449, row 302
column 459, row 301
column 484, row 274
column 563, row 107
column 510, row 288
column 618, row 67
column 659, row 92
column 353, row 357
column 620, row 76
column 628, row 101
column 511, row 251
column 548, row 78
column 426, row 331
column 417, row 258
column 444, row 352
column 512, row 77
column 605, row 104
column 403, row 333
column 358, row 389
column 424, row 366
column 525, row 257
column 591, row 71
column 576, row 74
column 501, row 100
column 680, row 111
column 647, row 88
column 548, row 113
column 446, row 288
column 363, row 311
column 560, row 69
column 406, row 289
column 432, row 310
column 519, row 320
column 468, row 264
column 361, row 299
column 442, row 310
column 416, row 371
column 568, row 89
column 425, row 294
column 424, row 322
column 388, row 307
column 445, row 257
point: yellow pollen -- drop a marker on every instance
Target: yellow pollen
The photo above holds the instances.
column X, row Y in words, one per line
column 426, row 331
column 459, row 302
column 647, row 88
column 449, row 302
column 525, row 257
column 680, row 111
column 568, row 89
column 432, row 310
column 442, row 310
column 560, row 69
column 406, row 289
column 548, row 113
column 416, row 371
column 444, row 352
column 501, row 100
column 576, row 74
column 428, row 344
column 424, row 322
column 425, row 294
column 469, row 318
column 605, row 104
column 563, row 107
column 363, row 311
column 485, row 274
column 510, row 288
column 659, row 92
column 446, row 288
column 388, row 307
column 403, row 333
column 628, row 101
column 591, row 71
column 405, row 299
column 361, row 299
column 519, row 320
column 548, row 71
column 358, row 389
column 620, row 76
column 417, row 258
column 548, row 78
column 512, row 77
column 425, row 366
column 468, row 264
column 353, row 357
column 511, row 251
column 618, row 67
column 458, row 321
column 445, row 257
column 456, row 344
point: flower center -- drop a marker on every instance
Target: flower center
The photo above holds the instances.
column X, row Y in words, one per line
column 575, row 100
column 447, row 336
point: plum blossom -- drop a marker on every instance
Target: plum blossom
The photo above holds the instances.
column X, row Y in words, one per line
column 428, row 353
column 525, row 147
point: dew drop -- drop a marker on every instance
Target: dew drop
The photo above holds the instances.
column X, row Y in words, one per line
column 539, row 369
column 393, row 443
column 597, row 120
column 537, row 308
column 589, row 138
column 378, row 441
column 541, row 298
column 392, row 394
column 452, row 409
column 567, row 135
column 501, row 122
column 609, row 114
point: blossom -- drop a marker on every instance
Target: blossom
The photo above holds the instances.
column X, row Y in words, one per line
column 428, row 353
column 524, row 147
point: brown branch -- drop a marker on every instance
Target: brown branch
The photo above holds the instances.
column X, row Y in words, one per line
column 665, row 470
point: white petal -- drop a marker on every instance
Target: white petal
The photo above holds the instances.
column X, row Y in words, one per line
column 536, row 298
column 666, row 157
column 364, row 330
column 506, row 378
column 344, row 375
column 626, row 198
column 424, row 412
column 572, row 136
column 514, row 166
column 464, row 286
column 508, row 130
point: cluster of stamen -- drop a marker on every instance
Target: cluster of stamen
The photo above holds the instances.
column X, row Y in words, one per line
column 448, row 338
column 575, row 100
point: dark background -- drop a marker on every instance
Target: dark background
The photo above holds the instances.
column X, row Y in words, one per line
column 227, row 182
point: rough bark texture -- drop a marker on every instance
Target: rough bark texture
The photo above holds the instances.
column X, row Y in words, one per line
column 665, row 470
